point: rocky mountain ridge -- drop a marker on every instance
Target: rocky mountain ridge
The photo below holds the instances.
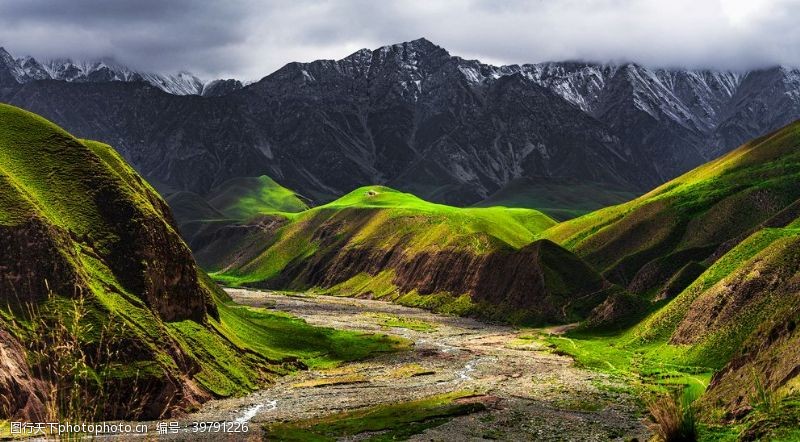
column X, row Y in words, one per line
column 27, row 69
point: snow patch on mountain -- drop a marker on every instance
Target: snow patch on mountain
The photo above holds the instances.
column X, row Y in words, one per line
column 27, row 69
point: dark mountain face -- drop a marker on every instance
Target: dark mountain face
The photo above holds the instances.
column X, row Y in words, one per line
column 218, row 88
column 414, row 117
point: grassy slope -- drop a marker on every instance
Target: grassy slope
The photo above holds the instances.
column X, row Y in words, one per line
column 230, row 204
column 741, row 308
column 237, row 199
column 381, row 217
column 48, row 176
column 689, row 217
column 742, row 344
column 243, row 198
column 189, row 206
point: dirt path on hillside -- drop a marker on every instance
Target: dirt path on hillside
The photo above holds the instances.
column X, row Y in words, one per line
column 537, row 395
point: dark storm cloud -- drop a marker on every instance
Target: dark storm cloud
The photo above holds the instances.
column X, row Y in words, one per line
column 248, row 38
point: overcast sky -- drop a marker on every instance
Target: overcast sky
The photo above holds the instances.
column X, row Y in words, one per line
column 248, row 39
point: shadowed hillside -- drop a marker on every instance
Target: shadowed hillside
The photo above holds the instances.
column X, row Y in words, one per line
column 233, row 202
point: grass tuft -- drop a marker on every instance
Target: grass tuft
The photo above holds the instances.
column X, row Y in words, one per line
column 674, row 419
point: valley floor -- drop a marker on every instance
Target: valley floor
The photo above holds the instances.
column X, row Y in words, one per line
column 529, row 393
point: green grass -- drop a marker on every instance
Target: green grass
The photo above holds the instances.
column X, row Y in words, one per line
column 282, row 337
column 232, row 203
column 244, row 198
column 514, row 226
column 381, row 218
column 655, row 367
column 717, row 346
column 397, row 421
column 388, row 321
column 48, row 173
column 690, row 216
column 735, row 222
column 360, row 244
column 238, row 199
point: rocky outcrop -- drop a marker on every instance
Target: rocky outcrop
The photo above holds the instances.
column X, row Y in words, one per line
column 771, row 358
column 34, row 262
column 150, row 259
column 225, row 244
column 764, row 284
column 616, row 312
column 22, row 395
column 542, row 279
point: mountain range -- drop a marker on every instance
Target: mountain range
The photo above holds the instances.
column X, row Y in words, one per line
column 416, row 118
column 27, row 69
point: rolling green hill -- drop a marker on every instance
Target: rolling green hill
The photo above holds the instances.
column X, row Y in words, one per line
column 378, row 242
column 711, row 261
column 104, row 314
column 243, row 198
column 644, row 244
column 232, row 203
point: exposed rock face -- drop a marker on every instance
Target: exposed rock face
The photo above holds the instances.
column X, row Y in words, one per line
column 150, row 259
column 540, row 283
column 218, row 88
column 776, row 274
column 29, row 251
column 22, row 396
column 766, row 290
column 616, row 311
column 414, row 117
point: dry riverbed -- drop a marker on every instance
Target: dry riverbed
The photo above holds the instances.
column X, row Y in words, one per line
column 529, row 393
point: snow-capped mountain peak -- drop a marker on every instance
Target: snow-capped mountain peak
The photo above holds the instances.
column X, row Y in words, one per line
column 26, row 69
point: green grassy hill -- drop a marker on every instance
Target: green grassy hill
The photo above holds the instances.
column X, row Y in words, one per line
column 243, row 198
column 230, row 204
column 378, row 242
column 695, row 218
column 711, row 261
column 104, row 314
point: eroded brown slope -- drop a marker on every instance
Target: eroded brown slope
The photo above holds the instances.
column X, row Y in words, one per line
column 443, row 258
